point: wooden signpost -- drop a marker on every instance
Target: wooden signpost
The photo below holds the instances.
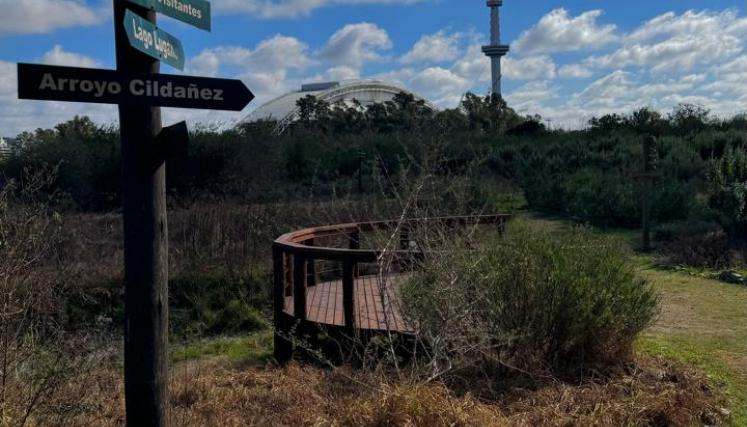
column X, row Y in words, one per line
column 52, row 83
column 140, row 90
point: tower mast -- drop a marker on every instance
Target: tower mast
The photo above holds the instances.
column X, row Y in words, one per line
column 495, row 50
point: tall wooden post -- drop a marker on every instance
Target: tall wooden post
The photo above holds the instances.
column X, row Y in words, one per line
column 283, row 347
column 145, row 242
column 648, row 169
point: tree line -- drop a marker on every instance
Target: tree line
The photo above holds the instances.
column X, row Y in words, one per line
column 591, row 175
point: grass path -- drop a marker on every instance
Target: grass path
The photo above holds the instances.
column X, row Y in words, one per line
column 703, row 322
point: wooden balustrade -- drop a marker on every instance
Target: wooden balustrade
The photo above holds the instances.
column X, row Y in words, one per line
column 295, row 276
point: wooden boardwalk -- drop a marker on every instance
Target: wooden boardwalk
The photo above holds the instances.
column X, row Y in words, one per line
column 377, row 306
column 366, row 302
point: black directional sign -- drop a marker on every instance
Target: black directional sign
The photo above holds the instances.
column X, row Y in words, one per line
column 52, row 83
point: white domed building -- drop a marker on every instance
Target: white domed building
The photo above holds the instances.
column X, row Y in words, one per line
column 284, row 110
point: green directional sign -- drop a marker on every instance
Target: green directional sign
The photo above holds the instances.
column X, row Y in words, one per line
column 152, row 41
column 193, row 12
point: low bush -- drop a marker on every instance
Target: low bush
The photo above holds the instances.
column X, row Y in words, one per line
column 706, row 249
column 200, row 304
column 536, row 301
column 215, row 304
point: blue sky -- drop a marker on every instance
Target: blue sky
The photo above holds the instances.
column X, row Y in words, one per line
column 570, row 60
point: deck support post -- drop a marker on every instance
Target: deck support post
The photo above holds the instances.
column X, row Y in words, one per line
column 310, row 267
column 288, row 274
column 348, row 292
column 283, row 349
column 355, row 243
column 299, row 287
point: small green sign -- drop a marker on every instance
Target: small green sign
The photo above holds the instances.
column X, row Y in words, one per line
column 152, row 41
column 193, row 12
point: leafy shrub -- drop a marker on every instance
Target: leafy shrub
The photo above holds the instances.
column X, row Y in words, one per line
column 536, row 301
column 600, row 198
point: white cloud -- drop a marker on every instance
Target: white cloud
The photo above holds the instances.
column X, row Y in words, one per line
column 265, row 69
column 531, row 96
column 730, row 80
column 574, row 71
column 436, row 82
column 341, row 73
column 8, row 77
column 558, row 32
column 45, row 16
column 681, row 52
column 434, row 48
column 651, row 91
column 530, row 68
column 690, row 22
column 738, row 65
column 58, row 56
column 280, row 52
column 276, row 53
column 356, row 44
column 473, row 66
column 401, row 76
column 206, row 63
column 607, row 90
column 674, row 43
column 694, row 56
column 269, row 9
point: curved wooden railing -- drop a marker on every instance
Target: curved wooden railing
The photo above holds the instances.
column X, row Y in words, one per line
column 335, row 256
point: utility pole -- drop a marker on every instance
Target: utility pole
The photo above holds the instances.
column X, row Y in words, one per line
column 649, row 142
column 145, row 241
column 360, row 171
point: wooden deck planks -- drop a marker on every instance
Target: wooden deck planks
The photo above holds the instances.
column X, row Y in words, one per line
column 376, row 304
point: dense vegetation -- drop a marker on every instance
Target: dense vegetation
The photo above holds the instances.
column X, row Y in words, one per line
column 579, row 303
column 591, row 175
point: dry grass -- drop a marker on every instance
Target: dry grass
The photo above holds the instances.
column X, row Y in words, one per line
column 215, row 392
column 655, row 392
column 203, row 236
